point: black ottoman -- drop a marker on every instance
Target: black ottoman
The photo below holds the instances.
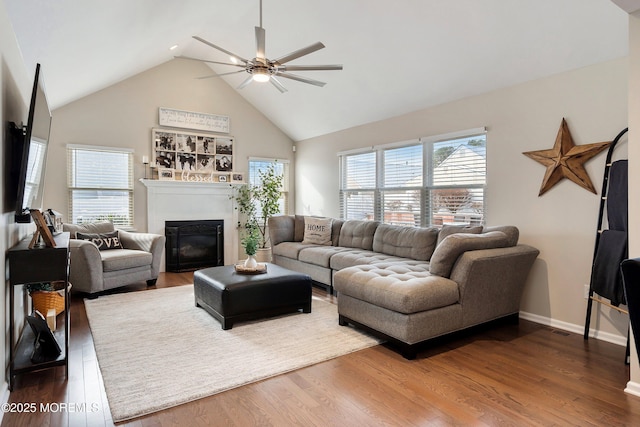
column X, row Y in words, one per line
column 231, row 297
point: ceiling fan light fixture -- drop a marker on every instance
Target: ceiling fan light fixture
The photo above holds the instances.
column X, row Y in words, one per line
column 263, row 70
column 261, row 76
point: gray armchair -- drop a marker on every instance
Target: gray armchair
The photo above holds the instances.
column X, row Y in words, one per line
column 93, row 270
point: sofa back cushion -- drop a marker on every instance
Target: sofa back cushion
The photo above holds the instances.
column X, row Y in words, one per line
column 448, row 251
column 357, row 234
column 281, row 229
column 336, row 227
column 88, row 228
column 298, row 229
column 407, row 242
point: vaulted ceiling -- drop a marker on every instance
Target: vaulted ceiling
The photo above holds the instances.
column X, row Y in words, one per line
column 398, row 56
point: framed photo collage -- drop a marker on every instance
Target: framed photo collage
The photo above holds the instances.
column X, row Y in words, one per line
column 190, row 156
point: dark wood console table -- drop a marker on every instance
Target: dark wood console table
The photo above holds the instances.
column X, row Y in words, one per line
column 40, row 264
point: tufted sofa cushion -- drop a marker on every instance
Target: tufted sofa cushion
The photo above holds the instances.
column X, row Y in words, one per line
column 447, row 253
column 357, row 234
column 351, row 257
column 401, row 288
column 408, row 242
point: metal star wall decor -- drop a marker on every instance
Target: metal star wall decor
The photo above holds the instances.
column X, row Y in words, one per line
column 566, row 160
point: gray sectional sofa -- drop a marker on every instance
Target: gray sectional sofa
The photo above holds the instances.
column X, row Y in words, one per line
column 410, row 284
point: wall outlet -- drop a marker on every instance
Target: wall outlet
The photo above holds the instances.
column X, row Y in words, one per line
column 586, row 291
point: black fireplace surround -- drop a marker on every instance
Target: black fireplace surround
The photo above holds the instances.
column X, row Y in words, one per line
column 191, row 245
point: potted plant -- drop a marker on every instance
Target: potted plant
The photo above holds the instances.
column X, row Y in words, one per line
column 258, row 203
column 250, row 244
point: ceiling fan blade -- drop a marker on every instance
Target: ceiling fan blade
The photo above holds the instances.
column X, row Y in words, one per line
column 208, row 43
column 221, row 74
column 246, row 82
column 309, row 67
column 298, row 53
column 278, row 85
column 260, row 40
column 302, row 79
column 206, row 60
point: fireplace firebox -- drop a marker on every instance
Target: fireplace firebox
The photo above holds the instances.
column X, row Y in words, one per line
column 191, row 245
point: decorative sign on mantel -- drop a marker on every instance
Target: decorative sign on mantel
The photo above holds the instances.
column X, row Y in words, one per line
column 191, row 120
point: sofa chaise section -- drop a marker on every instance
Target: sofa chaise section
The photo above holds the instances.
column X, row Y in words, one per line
column 411, row 284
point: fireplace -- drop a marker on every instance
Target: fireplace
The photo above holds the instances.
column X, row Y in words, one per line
column 191, row 245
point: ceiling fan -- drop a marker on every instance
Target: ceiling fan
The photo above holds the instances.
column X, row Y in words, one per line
column 262, row 69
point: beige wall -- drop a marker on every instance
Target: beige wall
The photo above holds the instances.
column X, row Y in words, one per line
column 123, row 115
column 561, row 223
column 15, row 89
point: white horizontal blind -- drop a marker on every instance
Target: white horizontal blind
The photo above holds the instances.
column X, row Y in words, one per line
column 100, row 182
column 281, row 168
column 358, row 186
column 400, row 194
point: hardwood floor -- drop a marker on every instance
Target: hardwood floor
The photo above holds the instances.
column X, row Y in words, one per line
column 525, row 374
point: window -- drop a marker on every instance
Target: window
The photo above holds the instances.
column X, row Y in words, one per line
column 35, row 167
column 426, row 182
column 100, row 182
column 257, row 165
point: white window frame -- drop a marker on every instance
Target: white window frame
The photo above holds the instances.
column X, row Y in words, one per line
column 285, row 196
column 126, row 221
column 424, row 214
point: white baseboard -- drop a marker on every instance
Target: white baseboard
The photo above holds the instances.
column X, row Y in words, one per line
column 578, row 329
column 4, row 397
column 633, row 388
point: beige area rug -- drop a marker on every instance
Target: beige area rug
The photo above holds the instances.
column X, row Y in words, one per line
column 156, row 349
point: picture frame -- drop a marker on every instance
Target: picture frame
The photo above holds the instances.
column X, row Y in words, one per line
column 42, row 229
column 191, row 152
column 237, row 178
column 222, row 178
column 166, row 174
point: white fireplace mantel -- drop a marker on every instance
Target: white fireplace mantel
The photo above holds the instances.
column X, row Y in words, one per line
column 177, row 200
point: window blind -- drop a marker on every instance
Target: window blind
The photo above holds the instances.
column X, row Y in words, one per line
column 358, row 184
column 100, row 182
column 435, row 181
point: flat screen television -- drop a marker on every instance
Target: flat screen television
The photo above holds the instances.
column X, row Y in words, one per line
column 30, row 153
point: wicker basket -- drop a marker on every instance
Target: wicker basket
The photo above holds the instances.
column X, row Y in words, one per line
column 43, row 301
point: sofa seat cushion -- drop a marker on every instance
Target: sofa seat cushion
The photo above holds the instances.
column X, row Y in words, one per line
column 407, row 242
column 289, row 249
column 122, row 259
column 352, row 257
column 319, row 255
column 398, row 287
